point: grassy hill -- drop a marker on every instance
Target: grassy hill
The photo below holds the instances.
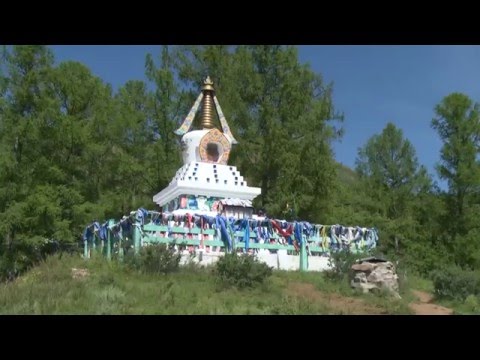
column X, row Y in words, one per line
column 70, row 285
column 346, row 175
column 114, row 288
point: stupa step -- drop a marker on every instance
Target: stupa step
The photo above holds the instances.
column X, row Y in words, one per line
column 205, row 155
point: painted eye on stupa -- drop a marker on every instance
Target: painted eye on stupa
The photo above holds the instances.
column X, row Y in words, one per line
column 214, row 147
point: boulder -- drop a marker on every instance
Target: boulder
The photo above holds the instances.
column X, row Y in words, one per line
column 79, row 273
column 375, row 274
column 365, row 267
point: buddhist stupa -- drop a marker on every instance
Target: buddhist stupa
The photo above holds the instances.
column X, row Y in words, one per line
column 206, row 180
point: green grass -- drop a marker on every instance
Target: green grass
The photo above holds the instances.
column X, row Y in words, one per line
column 469, row 307
column 418, row 283
column 114, row 288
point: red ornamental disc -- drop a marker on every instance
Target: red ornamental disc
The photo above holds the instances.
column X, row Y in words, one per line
column 214, row 147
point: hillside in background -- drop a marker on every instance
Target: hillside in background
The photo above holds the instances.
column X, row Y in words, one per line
column 346, row 175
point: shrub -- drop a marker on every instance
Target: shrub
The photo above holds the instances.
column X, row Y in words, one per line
column 471, row 303
column 422, row 258
column 241, row 271
column 455, row 283
column 341, row 263
column 192, row 266
column 105, row 279
column 25, row 254
column 156, row 259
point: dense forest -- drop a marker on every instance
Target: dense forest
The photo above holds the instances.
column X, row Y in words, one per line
column 73, row 150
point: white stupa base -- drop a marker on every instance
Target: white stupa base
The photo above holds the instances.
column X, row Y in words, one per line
column 207, row 179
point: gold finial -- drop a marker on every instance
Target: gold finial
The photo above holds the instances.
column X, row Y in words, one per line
column 207, row 104
column 208, row 84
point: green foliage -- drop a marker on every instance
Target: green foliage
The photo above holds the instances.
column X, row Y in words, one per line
column 156, row 259
column 115, row 288
column 341, row 264
column 283, row 114
column 457, row 122
column 457, row 284
column 422, row 257
column 72, row 151
column 393, row 180
column 241, row 271
column 472, row 304
column 167, row 106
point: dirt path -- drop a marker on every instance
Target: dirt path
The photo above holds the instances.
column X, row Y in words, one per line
column 349, row 305
column 425, row 307
column 336, row 302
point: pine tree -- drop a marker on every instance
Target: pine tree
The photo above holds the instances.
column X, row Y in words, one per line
column 283, row 114
column 392, row 177
column 457, row 122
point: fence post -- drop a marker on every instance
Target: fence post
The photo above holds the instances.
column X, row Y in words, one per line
column 109, row 240
column 303, row 255
column 120, row 249
column 94, row 246
column 136, row 234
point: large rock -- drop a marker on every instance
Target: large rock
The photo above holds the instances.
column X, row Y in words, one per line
column 365, row 267
column 80, row 273
column 375, row 274
column 365, row 287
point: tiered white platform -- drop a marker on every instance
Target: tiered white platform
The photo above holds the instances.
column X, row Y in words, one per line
column 207, row 179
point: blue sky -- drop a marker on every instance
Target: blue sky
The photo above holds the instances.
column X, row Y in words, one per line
column 372, row 85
